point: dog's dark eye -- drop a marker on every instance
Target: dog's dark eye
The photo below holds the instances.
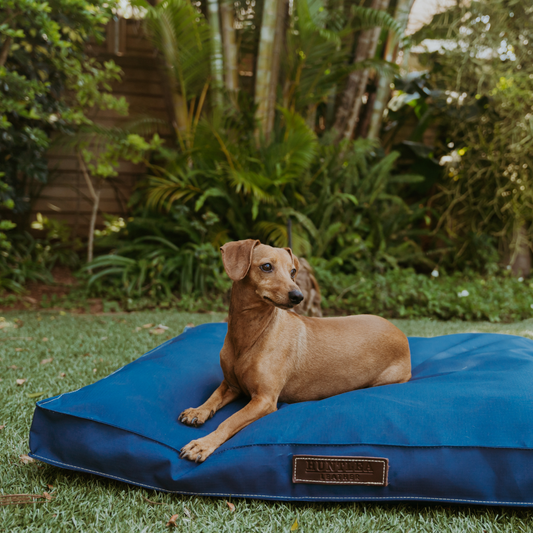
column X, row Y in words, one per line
column 293, row 273
column 267, row 267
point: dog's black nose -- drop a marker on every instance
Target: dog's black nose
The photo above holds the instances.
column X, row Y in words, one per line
column 295, row 297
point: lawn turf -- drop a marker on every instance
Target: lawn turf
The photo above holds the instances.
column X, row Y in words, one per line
column 86, row 348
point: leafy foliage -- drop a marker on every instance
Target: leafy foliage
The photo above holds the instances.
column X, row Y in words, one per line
column 25, row 258
column 352, row 207
column 319, row 49
column 229, row 178
column 360, row 220
column 403, row 293
column 336, row 195
column 183, row 36
column 343, row 199
column 159, row 259
column 478, row 91
column 47, row 82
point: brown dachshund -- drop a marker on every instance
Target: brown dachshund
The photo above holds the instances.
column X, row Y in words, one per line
column 272, row 354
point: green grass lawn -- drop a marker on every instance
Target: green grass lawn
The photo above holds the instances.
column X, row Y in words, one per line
column 85, row 348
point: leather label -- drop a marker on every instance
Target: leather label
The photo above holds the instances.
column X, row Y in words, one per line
column 335, row 470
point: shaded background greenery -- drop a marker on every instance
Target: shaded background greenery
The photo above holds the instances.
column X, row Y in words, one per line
column 375, row 218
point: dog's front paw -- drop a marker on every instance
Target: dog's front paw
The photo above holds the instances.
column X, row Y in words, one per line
column 198, row 450
column 195, row 417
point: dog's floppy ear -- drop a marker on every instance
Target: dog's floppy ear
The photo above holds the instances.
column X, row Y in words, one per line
column 237, row 257
column 294, row 258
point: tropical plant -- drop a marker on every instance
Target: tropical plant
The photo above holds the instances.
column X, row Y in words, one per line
column 242, row 168
column 343, row 199
column 220, row 169
column 307, row 52
column 361, row 219
column 183, row 37
column 318, row 63
column 230, row 176
column 477, row 90
column 161, row 259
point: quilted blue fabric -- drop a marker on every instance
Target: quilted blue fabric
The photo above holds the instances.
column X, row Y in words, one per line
column 460, row 431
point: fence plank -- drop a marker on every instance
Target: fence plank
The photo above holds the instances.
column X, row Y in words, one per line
column 66, row 197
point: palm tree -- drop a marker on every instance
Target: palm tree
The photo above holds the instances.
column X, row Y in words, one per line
column 266, row 61
column 231, row 71
column 348, row 111
column 302, row 57
column 391, row 49
column 216, row 53
column 184, row 40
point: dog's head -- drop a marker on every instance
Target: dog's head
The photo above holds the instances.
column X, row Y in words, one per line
column 271, row 271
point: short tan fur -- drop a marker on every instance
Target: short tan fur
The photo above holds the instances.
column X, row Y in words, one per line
column 272, row 354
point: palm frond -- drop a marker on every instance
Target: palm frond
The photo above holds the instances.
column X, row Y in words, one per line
column 275, row 233
column 182, row 35
column 365, row 18
column 310, row 19
column 252, row 184
column 289, row 157
column 163, row 191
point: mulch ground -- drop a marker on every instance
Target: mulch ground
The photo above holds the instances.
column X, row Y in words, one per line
column 38, row 295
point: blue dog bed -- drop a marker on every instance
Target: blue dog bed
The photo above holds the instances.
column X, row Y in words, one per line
column 461, row 431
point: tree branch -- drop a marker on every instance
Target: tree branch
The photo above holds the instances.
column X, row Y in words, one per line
column 5, row 51
column 87, row 177
column 96, row 202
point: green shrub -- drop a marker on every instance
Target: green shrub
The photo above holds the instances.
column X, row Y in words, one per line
column 161, row 259
column 25, row 258
column 345, row 201
column 479, row 107
column 154, row 263
column 47, row 83
column 406, row 294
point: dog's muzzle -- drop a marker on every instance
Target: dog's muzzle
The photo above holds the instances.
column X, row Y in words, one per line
column 295, row 297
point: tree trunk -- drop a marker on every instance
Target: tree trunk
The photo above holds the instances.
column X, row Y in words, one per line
column 519, row 254
column 265, row 62
column 383, row 90
column 92, row 224
column 348, row 111
column 231, row 72
column 279, row 40
column 365, row 116
column 5, row 51
column 175, row 103
column 216, row 52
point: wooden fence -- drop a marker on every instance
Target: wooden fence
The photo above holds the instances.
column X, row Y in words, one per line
column 66, row 196
column 143, row 84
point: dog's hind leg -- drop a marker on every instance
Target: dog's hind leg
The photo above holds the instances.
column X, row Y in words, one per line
column 221, row 397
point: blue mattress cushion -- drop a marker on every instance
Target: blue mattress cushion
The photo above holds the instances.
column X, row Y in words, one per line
column 461, row 430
